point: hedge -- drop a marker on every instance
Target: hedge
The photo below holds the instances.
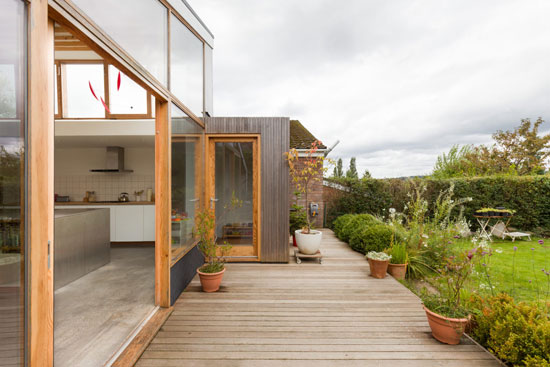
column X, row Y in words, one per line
column 529, row 196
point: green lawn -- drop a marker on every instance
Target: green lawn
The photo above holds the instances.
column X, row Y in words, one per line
column 518, row 273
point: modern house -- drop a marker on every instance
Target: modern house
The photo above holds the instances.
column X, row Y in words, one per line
column 109, row 146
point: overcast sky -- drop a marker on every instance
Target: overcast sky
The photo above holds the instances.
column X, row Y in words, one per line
column 396, row 81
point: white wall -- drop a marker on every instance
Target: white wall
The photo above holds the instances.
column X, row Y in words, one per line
column 73, row 176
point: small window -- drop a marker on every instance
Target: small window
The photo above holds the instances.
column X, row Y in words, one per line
column 84, row 91
column 125, row 96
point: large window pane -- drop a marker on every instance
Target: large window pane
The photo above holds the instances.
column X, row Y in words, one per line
column 208, row 81
column 186, row 180
column 12, row 181
column 234, row 191
column 81, row 102
column 126, row 97
column 186, row 67
column 139, row 26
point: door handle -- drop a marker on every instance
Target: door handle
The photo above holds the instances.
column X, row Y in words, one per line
column 194, row 200
column 212, row 201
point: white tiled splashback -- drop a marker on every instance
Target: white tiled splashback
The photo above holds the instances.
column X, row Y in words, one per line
column 107, row 187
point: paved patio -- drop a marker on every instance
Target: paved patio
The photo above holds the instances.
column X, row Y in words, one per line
column 332, row 314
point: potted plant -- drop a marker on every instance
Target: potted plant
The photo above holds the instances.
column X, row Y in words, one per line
column 446, row 315
column 305, row 172
column 297, row 217
column 211, row 273
column 378, row 264
column 398, row 262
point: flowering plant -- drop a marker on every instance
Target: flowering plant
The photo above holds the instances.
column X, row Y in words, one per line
column 381, row 256
column 453, row 274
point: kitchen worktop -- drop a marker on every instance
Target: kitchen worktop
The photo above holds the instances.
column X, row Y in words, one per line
column 96, row 203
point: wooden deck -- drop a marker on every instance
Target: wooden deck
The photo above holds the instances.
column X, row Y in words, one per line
column 332, row 314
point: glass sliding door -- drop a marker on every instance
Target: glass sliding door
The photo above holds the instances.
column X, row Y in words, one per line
column 12, row 181
column 233, row 193
column 187, row 146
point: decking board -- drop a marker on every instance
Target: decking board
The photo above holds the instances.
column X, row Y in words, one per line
column 308, row 315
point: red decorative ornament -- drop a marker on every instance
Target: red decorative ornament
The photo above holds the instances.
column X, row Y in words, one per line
column 92, row 89
column 118, row 82
column 104, row 105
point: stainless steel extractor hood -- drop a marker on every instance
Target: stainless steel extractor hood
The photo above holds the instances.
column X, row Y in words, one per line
column 114, row 161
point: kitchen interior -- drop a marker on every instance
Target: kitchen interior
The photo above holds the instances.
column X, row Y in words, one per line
column 104, row 206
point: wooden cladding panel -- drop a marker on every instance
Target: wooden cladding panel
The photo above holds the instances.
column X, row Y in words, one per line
column 274, row 207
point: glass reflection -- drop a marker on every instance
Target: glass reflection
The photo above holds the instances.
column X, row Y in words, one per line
column 187, row 143
column 140, row 27
column 186, row 67
column 12, row 143
column 234, row 184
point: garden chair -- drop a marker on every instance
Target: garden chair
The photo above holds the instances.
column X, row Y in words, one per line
column 501, row 231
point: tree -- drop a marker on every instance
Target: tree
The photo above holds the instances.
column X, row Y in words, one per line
column 518, row 152
column 455, row 163
column 352, row 170
column 338, row 172
column 523, row 148
column 306, row 172
column 366, row 174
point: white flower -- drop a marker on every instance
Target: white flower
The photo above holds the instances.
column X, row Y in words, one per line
column 498, row 251
column 425, row 236
column 392, row 210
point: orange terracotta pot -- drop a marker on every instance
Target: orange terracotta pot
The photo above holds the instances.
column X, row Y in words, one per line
column 445, row 329
column 211, row 281
column 398, row 271
column 378, row 268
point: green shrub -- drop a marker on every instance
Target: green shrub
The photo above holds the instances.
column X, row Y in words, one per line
column 340, row 222
column 375, row 237
column 517, row 333
column 356, row 223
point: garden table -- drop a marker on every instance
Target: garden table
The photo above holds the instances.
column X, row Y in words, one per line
column 484, row 222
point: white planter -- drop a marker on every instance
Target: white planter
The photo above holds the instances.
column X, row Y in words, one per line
column 308, row 244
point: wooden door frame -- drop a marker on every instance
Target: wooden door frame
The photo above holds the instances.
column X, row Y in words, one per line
column 210, row 171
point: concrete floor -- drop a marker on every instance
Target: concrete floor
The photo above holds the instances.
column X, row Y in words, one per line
column 95, row 314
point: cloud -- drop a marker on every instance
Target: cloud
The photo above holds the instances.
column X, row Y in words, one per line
column 397, row 82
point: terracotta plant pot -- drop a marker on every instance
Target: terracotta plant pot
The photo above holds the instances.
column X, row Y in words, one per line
column 211, row 281
column 445, row 329
column 378, row 268
column 294, row 240
column 398, row 271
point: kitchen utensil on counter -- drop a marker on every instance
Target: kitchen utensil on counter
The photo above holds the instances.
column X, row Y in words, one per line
column 90, row 196
column 63, row 199
column 137, row 195
column 149, row 194
column 124, row 197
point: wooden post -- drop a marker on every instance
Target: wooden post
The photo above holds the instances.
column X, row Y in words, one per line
column 40, row 184
column 162, row 203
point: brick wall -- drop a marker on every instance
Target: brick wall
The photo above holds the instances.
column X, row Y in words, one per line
column 315, row 195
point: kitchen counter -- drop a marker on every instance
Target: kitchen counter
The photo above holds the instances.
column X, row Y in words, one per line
column 97, row 203
column 82, row 243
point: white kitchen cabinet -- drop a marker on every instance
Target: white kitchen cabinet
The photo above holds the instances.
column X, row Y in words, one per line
column 129, row 223
column 149, row 223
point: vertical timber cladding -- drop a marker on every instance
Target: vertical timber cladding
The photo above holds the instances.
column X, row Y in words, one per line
column 274, row 132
